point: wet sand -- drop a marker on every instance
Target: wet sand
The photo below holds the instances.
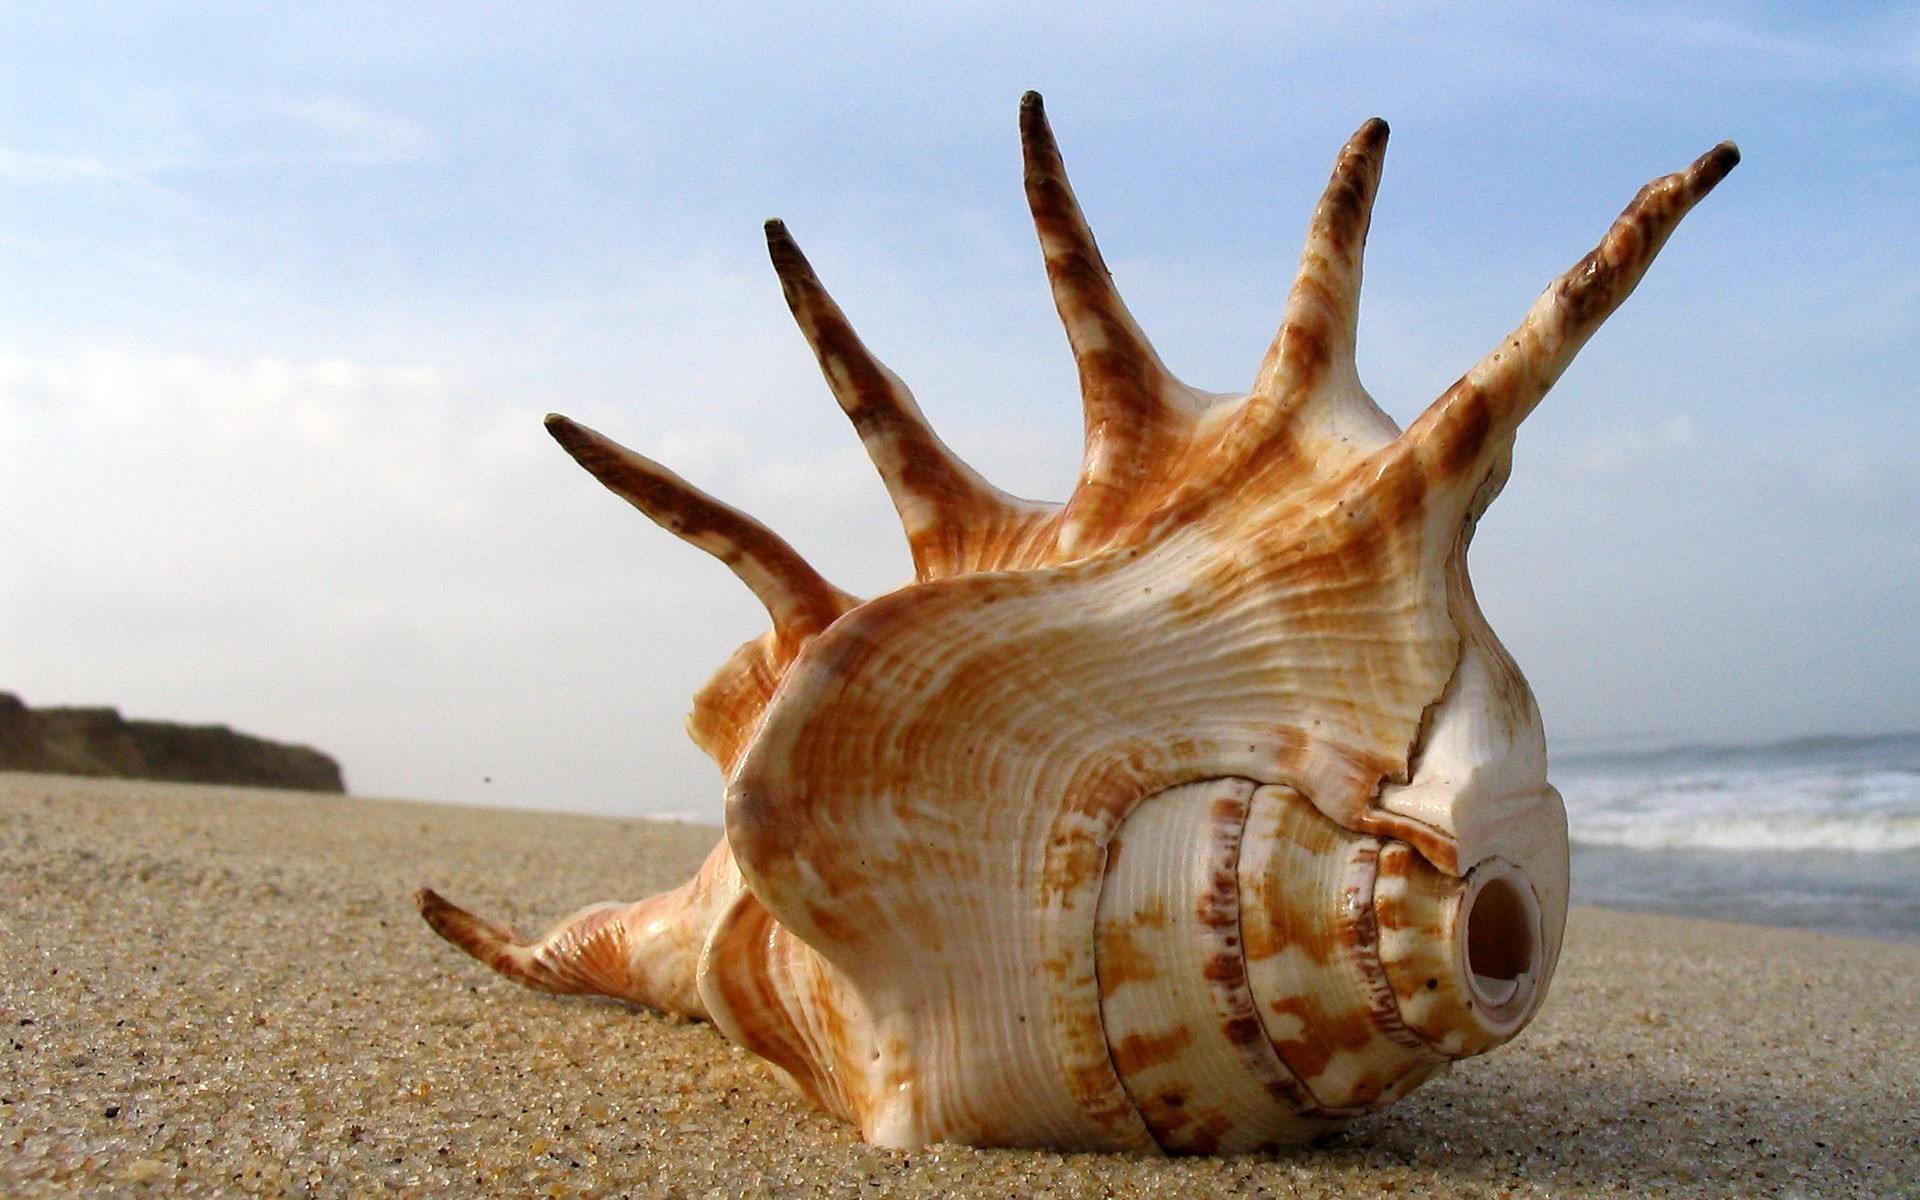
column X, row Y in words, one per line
column 215, row 991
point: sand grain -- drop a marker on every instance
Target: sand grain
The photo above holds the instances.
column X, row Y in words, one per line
column 213, row 991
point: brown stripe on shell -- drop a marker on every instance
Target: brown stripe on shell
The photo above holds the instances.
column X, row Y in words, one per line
column 1389, row 1077
column 1184, row 1038
column 772, row 994
column 1074, row 865
column 1139, row 418
column 1306, row 898
column 1472, row 424
column 1318, row 328
column 1418, row 909
column 1137, row 1053
column 498, row 946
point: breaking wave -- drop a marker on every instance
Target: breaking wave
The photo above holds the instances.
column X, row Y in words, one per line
column 1852, row 794
column 1861, row 834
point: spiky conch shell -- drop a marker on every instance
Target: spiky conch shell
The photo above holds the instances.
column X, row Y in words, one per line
column 1197, row 813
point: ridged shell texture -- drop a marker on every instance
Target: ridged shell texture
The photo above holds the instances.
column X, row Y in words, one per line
column 1196, row 813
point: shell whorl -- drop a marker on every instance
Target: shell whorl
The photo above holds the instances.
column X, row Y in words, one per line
column 1197, row 812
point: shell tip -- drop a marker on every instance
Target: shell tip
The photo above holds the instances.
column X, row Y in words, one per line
column 1713, row 166
column 780, row 244
column 448, row 919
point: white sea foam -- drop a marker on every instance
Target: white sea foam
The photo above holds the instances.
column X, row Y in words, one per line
column 1785, row 831
column 1861, row 795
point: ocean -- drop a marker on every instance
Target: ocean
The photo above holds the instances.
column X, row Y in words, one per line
column 1816, row 833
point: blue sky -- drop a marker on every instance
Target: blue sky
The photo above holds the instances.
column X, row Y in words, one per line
column 284, row 291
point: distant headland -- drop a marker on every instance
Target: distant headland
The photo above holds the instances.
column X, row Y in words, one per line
column 98, row 741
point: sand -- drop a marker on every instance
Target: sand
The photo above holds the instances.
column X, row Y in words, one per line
column 215, row 991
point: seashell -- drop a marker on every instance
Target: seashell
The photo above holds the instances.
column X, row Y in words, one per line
column 1198, row 813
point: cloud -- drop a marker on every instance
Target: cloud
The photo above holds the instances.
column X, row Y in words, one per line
column 360, row 556
column 263, row 441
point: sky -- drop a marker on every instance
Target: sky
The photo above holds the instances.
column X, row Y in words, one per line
column 286, row 289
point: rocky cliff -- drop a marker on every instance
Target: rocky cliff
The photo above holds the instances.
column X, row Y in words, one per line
column 97, row 741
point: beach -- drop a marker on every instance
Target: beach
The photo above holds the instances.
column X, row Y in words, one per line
column 215, row 991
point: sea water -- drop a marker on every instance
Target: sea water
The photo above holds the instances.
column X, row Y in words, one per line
column 1816, row 833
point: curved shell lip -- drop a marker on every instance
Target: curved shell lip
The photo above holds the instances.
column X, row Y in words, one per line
column 1500, row 948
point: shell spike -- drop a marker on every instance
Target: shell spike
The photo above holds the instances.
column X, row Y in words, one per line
column 800, row 601
column 1307, row 414
column 1119, row 369
column 494, row 944
column 1138, row 416
column 938, row 496
column 1317, row 332
column 643, row 953
column 1464, row 437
